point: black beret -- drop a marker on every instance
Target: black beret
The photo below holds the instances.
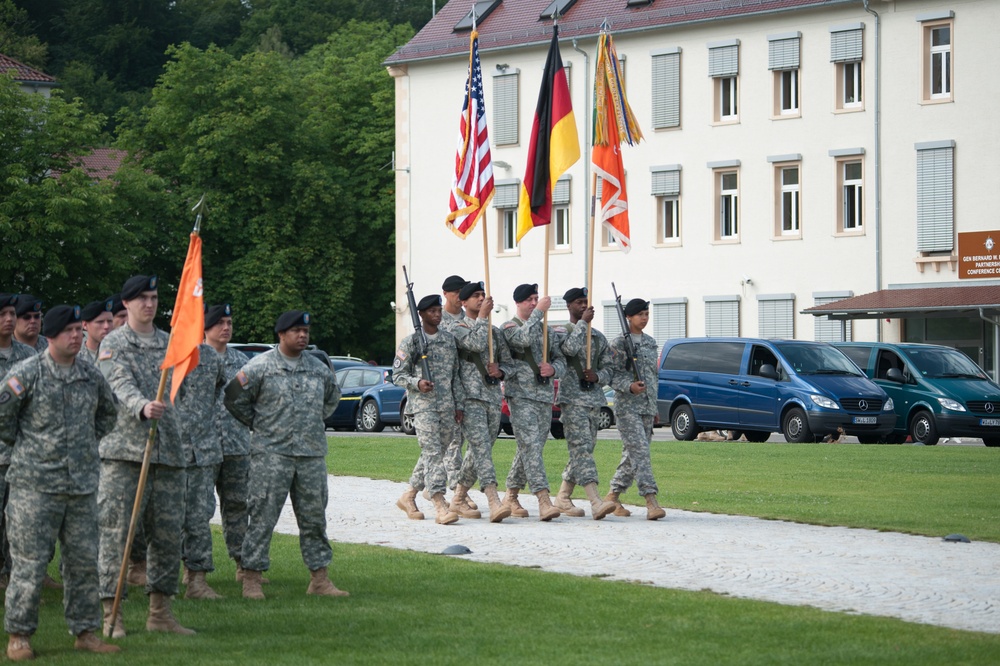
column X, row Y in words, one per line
column 635, row 306
column 469, row 289
column 93, row 310
column 27, row 303
column 291, row 318
column 575, row 293
column 8, row 300
column 216, row 312
column 524, row 291
column 428, row 302
column 58, row 318
column 116, row 304
column 137, row 284
column 453, row 283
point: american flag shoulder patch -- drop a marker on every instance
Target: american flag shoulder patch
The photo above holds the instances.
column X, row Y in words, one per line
column 241, row 377
column 105, row 355
column 15, row 386
column 401, row 355
column 510, row 324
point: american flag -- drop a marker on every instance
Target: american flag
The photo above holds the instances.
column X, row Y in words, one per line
column 472, row 185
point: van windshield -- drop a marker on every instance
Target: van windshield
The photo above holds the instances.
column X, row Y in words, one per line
column 944, row 364
column 817, row 360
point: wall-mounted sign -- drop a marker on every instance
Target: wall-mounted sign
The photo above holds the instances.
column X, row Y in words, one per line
column 979, row 254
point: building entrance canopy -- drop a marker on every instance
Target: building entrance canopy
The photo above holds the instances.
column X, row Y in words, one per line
column 981, row 301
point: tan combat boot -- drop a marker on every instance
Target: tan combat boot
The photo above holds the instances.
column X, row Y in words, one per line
column 445, row 516
column 460, row 506
column 251, row 584
column 186, row 578
column 136, row 573
column 498, row 510
column 598, row 507
column 408, row 503
column 619, row 509
column 546, row 511
column 239, row 575
column 198, row 587
column 118, row 630
column 653, row 510
column 89, row 642
column 19, row 648
column 469, row 503
column 319, row 584
column 161, row 619
column 510, row 501
column 564, row 503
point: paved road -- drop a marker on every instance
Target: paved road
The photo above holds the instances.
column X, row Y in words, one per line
column 917, row 579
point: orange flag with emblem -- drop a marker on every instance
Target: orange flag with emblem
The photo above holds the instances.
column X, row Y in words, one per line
column 187, row 327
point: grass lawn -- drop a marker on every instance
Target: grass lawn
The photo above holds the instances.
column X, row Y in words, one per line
column 929, row 490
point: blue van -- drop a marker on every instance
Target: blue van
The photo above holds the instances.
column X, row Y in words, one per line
column 804, row 390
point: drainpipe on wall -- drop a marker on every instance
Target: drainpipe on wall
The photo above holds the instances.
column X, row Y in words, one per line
column 586, row 166
column 878, row 156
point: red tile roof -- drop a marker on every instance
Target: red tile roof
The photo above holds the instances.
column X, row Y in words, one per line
column 517, row 23
column 894, row 302
column 102, row 163
column 22, row 72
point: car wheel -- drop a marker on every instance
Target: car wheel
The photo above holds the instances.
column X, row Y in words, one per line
column 406, row 421
column 683, row 425
column 756, row 435
column 795, row 427
column 557, row 431
column 605, row 419
column 991, row 441
column 922, row 429
column 368, row 417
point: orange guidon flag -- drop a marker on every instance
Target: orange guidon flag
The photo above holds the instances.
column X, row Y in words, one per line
column 187, row 328
column 554, row 145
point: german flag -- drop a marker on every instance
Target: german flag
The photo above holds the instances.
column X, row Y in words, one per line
column 554, row 144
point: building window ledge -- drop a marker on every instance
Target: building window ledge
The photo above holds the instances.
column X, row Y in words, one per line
column 936, row 262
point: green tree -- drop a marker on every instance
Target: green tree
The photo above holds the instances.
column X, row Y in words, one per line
column 17, row 38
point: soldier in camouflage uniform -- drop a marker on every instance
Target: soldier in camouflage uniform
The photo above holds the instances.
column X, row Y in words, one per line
column 29, row 322
column 283, row 395
column 452, row 314
column 53, row 410
column 203, row 448
column 97, row 323
column 580, row 400
column 481, row 375
column 435, row 405
column 119, row 316
column 635, row 406
column 529, row 395
column 231, row 481
column 130, row 360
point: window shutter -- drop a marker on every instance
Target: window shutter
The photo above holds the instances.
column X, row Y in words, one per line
column 832, row 330
column 722, row 318
column 783, row 54
column 560, row 195
column 776, row 318
column 506, row 195
column 666, row 183
column 935, row 200
column 505, row 89
column 612, row 329
column 667, row 90
column 724, row 60
column 846, row 45
column 669, row 321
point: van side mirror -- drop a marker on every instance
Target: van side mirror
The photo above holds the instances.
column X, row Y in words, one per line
column 767, row 370
column 895, row 375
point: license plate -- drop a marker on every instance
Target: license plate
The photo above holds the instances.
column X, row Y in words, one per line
column 866, row 420
column 989, row 422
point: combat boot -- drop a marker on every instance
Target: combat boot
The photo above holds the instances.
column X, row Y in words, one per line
column 136, row 573
column 161, row 619
column 408, row 503
column 653, row 509
column 598, row 507
column 239, row 575
column 564, row 503
column 459, row 504
column 445, row 516
column 251, row 584
column 319, row 584
column 118, row 630
column 89, row 642
column 619, row 509
column 510, row 501
column 498, row 510
column 546, row 511
column 19, row 648
column 198, row 587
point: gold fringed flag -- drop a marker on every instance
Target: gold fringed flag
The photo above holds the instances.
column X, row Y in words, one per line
column 187, row 327
column 614, row 123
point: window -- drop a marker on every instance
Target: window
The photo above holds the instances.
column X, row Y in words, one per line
column 831, row 330
column 852, row 200
column 505, row 199
column 938, row 77
column 482, row 9
column 788, row 97
column 557, row 8
column 776, row 316
column 846, row 53
column 850, row 85
column 559, row 230
column 728, row 95
column 666, row 88
column 612, row 327
column 722, row 316
column 724, row 68
column 666, row 187
column 788, row 206
column 505, row 106
column 727, row 209
column 508, row 226
column 669, row 319
column 936, row 196
column 783, row 60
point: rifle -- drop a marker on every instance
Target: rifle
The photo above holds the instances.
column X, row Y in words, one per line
column 633, row 359
column 421, row 336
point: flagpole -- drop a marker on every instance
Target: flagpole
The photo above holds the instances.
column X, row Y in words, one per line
column 486, row 283
column 590, row 263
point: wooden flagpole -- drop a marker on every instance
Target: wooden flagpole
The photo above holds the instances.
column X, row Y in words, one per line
column 545, row 291
column 590, row 261
column 486, row 283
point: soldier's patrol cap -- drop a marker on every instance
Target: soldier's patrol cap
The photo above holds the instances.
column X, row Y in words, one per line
column 428, row 302
column 58, row 318
column 524, row 291
column 291, row 319
column 453, row 283
column 27, row 303
column 116, row 304
column 137, row 284
column 93, row 310
column 469, row 289
column 216, row 312
column 8, row 301
column 575, row 293
column 635, row 306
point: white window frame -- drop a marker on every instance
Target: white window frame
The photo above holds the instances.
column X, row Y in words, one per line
column 508, row 231
column 787, row 81
column 668, row 209
column 728, row 202
column 851, row 91
column 789, row 220
column 560, row 229
column 939, row 63
column 727, row 90
column 852, row 200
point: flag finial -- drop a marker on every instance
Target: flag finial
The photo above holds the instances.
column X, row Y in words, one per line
column 198, row 209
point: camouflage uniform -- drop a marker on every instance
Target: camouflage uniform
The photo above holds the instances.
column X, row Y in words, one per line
column 530, row 402
column 634, row 415
column 453, row 452
column 203, row 448
column 54, row 416
column 284, row 401
column 9, row 357
column 482, row 401
column 231, row 481
column 131, row 364
column 580, row 410
column 433, row 412
column 87, row 355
